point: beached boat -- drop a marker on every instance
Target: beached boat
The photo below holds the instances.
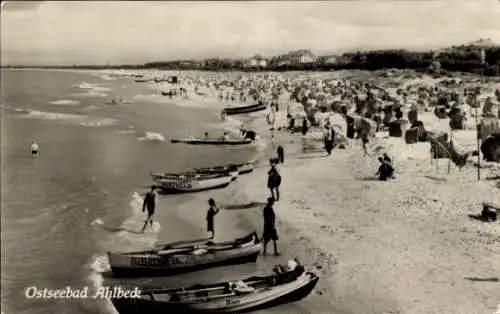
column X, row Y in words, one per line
column 194, row 184
column 211, row 142
column 198, row 175
column 240, row 168
column 186, row 256
column 241, row 296
column 244, row 109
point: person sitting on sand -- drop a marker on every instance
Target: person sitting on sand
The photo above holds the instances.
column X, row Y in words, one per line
column 150, row 204
column 212, row 211
column 274, row 179
column 385, row 170
column 205, row 136
column 270, row 232
column 225, row 137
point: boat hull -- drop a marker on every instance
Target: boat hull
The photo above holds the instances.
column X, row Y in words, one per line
column 211, row 142
column 290, row 293
column 156, row 264
column 125, row 271
column 242, row 110
column 187, row 186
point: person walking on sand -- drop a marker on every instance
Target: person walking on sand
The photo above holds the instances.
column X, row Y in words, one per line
column 270, row 232
column 365, row 142
column 281, row 154
column 150, row 204
column 274, row 179
column 34, row 150
column 212, row 211
column 328, row 138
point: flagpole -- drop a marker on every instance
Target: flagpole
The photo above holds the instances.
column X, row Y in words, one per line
column 478, row 139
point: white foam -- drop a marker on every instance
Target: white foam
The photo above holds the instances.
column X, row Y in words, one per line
column 84, row 85
column 98, row 265
column 98, row 89
column 108, row 78
column 151, row 136
column 97, row 222
column 72, row 118
column 90, row 94
column 65, row 102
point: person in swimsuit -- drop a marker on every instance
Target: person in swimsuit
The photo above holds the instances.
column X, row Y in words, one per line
column 270, row 232
column 34, row 150
column 150, row 204
column 212, row 211
column 274, row 179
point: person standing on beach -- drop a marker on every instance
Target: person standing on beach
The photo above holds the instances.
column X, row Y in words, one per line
column 270, row 232
column 212, row 211
column 34, row 150
column 274, row 179
column 305, row 127
column 365, row 142
column 329, row 135
column 150, row 204
column 281, row 154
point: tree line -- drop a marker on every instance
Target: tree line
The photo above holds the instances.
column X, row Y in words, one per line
column 452, row 60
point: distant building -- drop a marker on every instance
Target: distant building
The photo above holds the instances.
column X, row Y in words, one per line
column 255, row 61
column 301, row 56
column 328, row 59
column 294, row 58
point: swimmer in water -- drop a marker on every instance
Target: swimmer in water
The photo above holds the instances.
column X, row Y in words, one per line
column 34, row 150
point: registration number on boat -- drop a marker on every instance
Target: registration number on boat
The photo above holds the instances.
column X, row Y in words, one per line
column 177, row 184
column 145, row 261
column 232, row 302
column 181, row 260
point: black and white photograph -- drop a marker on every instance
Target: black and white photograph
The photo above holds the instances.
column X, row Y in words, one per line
column 267, row 157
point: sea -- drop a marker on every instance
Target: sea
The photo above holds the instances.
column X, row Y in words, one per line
column 82, row 197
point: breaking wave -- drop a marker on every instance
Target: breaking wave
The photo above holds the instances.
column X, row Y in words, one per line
column 151, row 136
column 65, row 102
column 70, row 118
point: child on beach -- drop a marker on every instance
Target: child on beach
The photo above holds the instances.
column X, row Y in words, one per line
column 274, row 179
column 270, row 232
column 365, row 142
column 212, row 211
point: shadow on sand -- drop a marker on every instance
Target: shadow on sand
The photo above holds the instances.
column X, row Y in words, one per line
column 119, row 229
column 480, row 218
column 308, row 157
column 369, row 179
column 476, row 279
column 435, row 178
column 250, row 205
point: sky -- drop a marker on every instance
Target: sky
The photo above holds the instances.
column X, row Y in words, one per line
column 95, row 32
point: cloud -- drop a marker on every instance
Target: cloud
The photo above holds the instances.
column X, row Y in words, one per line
column 18, row 5
column 141, row 31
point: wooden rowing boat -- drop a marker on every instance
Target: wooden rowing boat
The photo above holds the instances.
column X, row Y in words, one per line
column 240, row 168
column 227, row 297
column 188, row 256
column 211, row 142
column 195, row 175
column 193, row 184
column 244, row 109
